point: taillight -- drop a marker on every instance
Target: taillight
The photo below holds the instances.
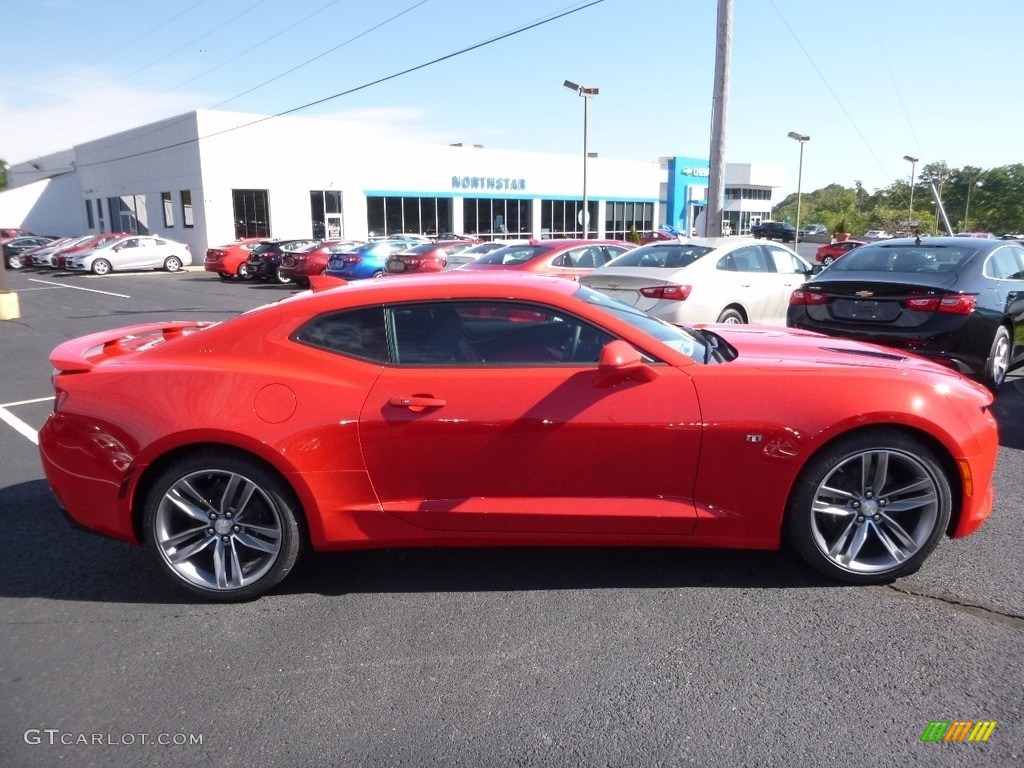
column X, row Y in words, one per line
column 961, row 304
column 667, row 292
column 352, row 259
column 801, row 296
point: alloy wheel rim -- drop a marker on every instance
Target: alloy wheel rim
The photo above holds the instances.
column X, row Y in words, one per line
column 1001, row 360
column 874, row 511
column 218, row 530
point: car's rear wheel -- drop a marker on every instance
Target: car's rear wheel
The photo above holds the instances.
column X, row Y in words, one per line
column 244, row 273
column 828, row 260
column 172, row 263
column 100, row 267
column 869, row 508
column 998, row 362
column 222, row 526
column 731, row 316
column 282, row 279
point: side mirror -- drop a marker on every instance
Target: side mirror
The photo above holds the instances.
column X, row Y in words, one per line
column 618, row 362
column 815, row 269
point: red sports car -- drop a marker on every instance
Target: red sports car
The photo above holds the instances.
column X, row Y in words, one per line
column 230, row 260
column 430, row 257
column 564, row 258
column 303, row 264
column 519, row 410
column 829, row 252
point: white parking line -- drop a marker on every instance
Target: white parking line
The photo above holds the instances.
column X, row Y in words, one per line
column 26, row 402
column 19, row 425
column 79, row 288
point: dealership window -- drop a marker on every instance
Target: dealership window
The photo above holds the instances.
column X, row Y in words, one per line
column 186, row 208
column 165, row 197
column 99, row 214
column 128, row 214
column 88, row 214
column 560, row 218
column 327, row 218
column 252, row 212
column 423, row 215
column 620, row 216
column 493, row 219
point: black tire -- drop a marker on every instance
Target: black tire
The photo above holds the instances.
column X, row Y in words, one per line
column 731, row 315
column 172, row 263
column 14, row 261
column 840, row 525
column 244, row 273
column 225, row 276
column 828, row 260
column 998, row 362
column 215, row 549
column 279, row 278
column 101, row 267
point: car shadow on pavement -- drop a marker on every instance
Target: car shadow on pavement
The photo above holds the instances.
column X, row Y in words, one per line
column 43, row 555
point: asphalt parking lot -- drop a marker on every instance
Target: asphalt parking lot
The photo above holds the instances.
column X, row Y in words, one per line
column 477, row 658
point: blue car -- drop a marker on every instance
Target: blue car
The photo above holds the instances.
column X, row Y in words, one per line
column 366, row 260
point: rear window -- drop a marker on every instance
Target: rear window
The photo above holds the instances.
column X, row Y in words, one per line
column 513, row 254
column 669, row 256
column 904, row 258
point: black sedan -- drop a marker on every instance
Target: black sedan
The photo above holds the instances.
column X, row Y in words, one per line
column 14, row 248
column 956, row 300
column 264, row 262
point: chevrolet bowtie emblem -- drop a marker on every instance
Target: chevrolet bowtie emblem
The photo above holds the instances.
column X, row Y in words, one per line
column 863, row 294
column 613, row 285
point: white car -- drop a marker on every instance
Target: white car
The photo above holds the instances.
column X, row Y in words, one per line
column 133, row 252
column 705, row 280
column 874, row 235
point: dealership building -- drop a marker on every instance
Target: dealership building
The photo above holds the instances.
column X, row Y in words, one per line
column 209, row 177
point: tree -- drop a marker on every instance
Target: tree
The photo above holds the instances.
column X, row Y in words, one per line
column 3, row 173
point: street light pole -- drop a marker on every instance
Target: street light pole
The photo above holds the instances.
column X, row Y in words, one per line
column 913, row 163
column 587, row 92
column 967, row 208
column 799, row 181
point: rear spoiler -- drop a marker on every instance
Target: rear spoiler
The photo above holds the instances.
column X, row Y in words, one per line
column 81, row 354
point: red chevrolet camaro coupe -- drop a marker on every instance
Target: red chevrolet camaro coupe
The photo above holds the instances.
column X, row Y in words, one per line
column 500, row 409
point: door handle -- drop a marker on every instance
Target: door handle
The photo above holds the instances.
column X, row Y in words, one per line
column 417, row 403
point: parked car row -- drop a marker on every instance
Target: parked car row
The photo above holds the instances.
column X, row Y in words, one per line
column 98, row 254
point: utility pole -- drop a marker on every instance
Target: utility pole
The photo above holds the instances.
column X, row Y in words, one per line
column 719, row 110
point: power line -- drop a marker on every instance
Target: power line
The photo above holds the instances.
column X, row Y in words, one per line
column 364, row 86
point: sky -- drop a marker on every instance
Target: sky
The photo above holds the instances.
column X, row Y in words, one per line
column 868, row 80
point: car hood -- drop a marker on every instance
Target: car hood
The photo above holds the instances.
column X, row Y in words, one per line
column 776, row 347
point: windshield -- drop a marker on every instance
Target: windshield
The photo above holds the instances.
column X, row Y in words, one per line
column 665, row 255
column 904, row 258
column 678, row 338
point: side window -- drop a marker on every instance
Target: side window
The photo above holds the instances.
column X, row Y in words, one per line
column 1005, row 264
column 356, row 333
column 784, row 261
column 492, row 333
column 749, row 258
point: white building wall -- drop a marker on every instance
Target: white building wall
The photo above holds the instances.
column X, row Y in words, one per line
column 47, row 207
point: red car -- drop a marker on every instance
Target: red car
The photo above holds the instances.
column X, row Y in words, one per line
column 564, row 258
column 61, row 257
column 229, row 261
column 506, row 410
column 301, row 265
column 828, row 253
column 430, row 257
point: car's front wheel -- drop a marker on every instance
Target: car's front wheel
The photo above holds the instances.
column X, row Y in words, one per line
column 225, row 276
column 869, row 508
column 281, row 279
column 14, row 262
column 222, row 526
column 100, row 267
column 244, row 273
column 828, row 260
column 998, row 362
